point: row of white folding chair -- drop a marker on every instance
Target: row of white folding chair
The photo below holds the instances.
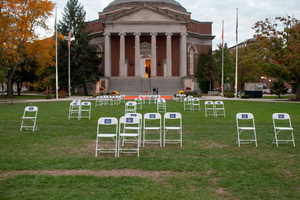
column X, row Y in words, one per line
column 78, row 109
column 161, row 105
column 108, row 100
column 214, row 108
column 130, row 128
column 191, row 104
column 180, row 97
column 281, row 123
column 29, row 118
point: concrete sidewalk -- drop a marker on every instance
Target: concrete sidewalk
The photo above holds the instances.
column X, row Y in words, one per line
column 91, row 98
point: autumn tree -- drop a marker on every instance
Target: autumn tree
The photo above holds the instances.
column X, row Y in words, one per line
column 279, row 45
column 85, row 60
column 250, row 63
column 19, row 22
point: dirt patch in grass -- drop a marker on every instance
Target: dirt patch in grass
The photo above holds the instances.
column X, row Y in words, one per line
column 157, row 175
column 212, row 145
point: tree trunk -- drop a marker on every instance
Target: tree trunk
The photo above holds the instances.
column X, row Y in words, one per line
column 9, row 87
column 85, row 90
column 298, row 92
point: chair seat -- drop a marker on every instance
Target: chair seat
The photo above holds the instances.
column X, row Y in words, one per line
column 173, row 128
column 284, row 128
column 247, row 128
column 129, row 134
column 106, row 135
column 152, row 128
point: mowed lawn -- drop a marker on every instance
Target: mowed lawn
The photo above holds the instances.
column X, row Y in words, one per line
column 58, row 160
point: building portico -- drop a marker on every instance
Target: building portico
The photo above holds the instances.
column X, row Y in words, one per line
column 149, row 39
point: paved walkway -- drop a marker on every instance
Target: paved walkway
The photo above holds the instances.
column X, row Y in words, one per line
column 91, row 98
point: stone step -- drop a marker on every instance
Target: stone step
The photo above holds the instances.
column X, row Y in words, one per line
column 136, row 86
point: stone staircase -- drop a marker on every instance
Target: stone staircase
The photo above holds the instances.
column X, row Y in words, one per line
column 136, row 86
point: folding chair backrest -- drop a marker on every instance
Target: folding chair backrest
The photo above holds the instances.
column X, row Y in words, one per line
column 219, row 104
column 108, row 121
column 129, row 120
column 172, row 116
column 209, row 104
column 281, row 117
column 31, row 109
column 245, row 117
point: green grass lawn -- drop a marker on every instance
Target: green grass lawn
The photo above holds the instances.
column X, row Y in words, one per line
column 58, row 160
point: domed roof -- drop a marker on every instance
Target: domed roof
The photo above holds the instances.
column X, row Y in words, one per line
column 117, row 4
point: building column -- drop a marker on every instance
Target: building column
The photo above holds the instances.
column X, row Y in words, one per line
column 137, row 55
column 122, row 55
column 183, row 55
column 153, row 54
column 107, row 56
column 169, row 54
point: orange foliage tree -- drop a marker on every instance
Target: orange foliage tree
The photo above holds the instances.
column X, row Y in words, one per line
column 279, row 45
column 19, row 41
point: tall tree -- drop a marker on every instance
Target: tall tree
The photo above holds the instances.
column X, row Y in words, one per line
column 228, row 64
column 207, row 72
column 279, row 42
column 85, row 60
column 19, row 22
column 250, row 63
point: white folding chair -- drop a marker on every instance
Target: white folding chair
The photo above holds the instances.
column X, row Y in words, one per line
column 122, row 98
column 196, row 104
column 282, row 123
column 128, row 127
column 139, row 103
column 74, row 109
column 187, row 104
column 130, row 107
column 173, row 122
column 107, row 127
column 134, row 134
column 245, row 123
column 152, row 123
column 29, row 118
column 85, row 110
column 219, row 108
column 99, row 101
column 161, row 105
column 209, row 108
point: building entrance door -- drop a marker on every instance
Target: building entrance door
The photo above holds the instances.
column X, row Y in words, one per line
column 145, row 66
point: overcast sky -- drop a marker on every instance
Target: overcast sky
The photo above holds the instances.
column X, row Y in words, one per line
column 249, row 12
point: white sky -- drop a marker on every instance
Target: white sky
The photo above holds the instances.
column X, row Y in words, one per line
column 249, row 12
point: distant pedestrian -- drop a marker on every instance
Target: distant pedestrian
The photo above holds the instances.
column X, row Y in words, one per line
column 154, row 90
column 157, row 90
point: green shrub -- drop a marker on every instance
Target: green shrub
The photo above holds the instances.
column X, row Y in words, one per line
column 230, row 95
column 48, row 96
column 245, row 96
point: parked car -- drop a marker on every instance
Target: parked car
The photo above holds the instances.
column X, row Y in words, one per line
column 266, row 91
column 289, row 91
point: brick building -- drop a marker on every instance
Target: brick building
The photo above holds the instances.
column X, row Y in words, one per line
column 148, row 39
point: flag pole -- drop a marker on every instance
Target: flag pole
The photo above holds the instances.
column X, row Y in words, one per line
column 56, row 69
column 222, row 84
column 236, row 56
column 69, row 65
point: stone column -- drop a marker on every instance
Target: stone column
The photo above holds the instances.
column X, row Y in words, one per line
column 153, row 54
column 107, row 56
column 169, row 54
column 137, row 55
column 183, row 55
column 122, row 55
